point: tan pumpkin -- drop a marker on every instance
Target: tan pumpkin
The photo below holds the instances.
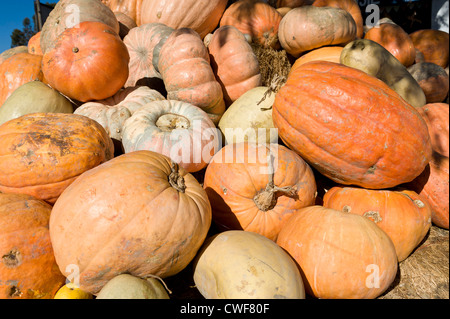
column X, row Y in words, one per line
column 404, row 215
column 308, row 27
column 42, row 153
column 112, row 112
column 202, row 16
column 340, row 255
column 138, row 214
column 176, row 129
column 28, row 269
column 257, row 188
column 229, row 51
column 185, row 67
column 257, row 19
column 10, row 52
column 131, row 8
column 126, row 286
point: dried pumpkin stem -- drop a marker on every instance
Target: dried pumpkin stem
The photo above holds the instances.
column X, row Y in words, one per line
column 175, row 179
column 267, row 199
column 275, row 85
column 161, row 280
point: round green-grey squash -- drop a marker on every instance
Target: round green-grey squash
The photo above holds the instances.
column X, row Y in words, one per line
column 126, row 286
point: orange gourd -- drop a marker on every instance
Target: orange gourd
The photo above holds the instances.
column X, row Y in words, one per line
column 327, row 53
column 436, row 115
column 34, row 44
column 433, row 45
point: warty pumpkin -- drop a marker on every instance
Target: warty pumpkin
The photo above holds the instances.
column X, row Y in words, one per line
column 255, row 18
column 28, row 269
column 202, row 16
column 42, row 153
column 139, row 213
column 229, row 51
column 89, row 62
column 340, row 255
column 402, row 214
column 69, row 13
column 346, row 124
column 185, row 67
column 257, row 187
column 308, row 27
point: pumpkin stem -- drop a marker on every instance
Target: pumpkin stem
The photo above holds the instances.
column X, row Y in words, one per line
column 267, row 199
column 161, row 280
column 175, row 180
column 275, row 85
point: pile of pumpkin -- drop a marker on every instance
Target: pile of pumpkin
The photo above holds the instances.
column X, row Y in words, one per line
column 95, row 191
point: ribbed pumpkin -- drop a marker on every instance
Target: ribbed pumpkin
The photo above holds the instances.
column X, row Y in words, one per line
column 28, row 269
column 340, row 255
column 202, row 16
column 176, row 129
column 404, row 215
column 18, row 69
column 112, row 112
column 143, row 44
column 255, row 18
column 327, row 53
column 229, row 51
column 293, row 3
column 346, row 124
column 69, row 13
column 306, row 28
column 433, row 80
column 89, row 62
column 185, row 67
column 351, row 6
column 433, row 44
column 257, row 188
column 34, row 44
column 137, row 213
column 436, row 115
column 394, row 39
column 42, row 153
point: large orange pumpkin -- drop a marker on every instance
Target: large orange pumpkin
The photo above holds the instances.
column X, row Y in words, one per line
column 89, row 62
column 28, row 269
column 436, row 115
column 18, row 69
column 257, row 188
column 202, row 16
column 255, row 18
column 42, row 153
column 404, row 215
column 340, row 255
column 351, row 126
column 433, row 45
column 394, row 39
column 185, row 67
column 230, row 51
column 137, row 213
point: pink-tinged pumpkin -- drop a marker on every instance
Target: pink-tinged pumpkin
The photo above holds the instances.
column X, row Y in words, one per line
column 143, row 44
column 131, row 8
column 42, row 153
column 346, row 124
column 307, row 28
column 257, row 188
column 340, row 255
column 404, row 215
column 202, row 16
column 28, row 269
column 126, row 24
column 89, row 62
column 185, row 67
column 138, row 214
column 176, row 129
column 255, row 18
column 436, row 115
column 229, row 51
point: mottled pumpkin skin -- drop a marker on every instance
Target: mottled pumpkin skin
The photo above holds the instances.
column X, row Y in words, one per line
column 233, row 185
column 126, row 217
column 202, row 16
column 351, row 126
column 87, row 63
column 433, row 45
column 10, row 52
column 68, row 13
column 18, row 69
column 394, row 39
column 28, row 269
column 404, row 215
column 42, row 153
column 433, row 80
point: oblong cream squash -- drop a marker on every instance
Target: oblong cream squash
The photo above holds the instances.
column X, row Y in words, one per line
column 126, row 286
column 249, row 118
column 238, row 264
